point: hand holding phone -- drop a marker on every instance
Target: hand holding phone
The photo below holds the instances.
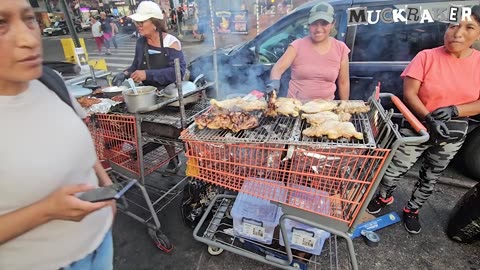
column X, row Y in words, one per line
column 63, row 204
column 111, row 192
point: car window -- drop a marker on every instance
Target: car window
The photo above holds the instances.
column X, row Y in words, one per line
column 398, row 41
column 273, row 47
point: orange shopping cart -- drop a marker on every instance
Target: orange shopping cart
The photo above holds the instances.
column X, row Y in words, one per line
column 136, row 146
column 315, row 184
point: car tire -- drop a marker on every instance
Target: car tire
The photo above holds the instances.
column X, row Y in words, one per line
column 463, row 223
column 470, row 154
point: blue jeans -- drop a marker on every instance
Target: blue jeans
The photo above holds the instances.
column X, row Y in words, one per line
column 100, row 259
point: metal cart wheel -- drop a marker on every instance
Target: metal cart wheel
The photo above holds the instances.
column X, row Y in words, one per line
column 160, row 240
column 214, row 251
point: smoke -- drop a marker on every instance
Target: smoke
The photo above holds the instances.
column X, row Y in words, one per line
column 237, row 73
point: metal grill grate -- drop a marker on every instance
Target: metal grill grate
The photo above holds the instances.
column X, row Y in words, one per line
column 171, row 115
column 361, row 123
column 269, row 130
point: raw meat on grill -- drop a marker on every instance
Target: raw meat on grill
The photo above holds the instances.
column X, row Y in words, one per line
column 318, row 105
column 288, row 106
column 239, row 104
column 353, row 107
column 333, row 130
column 321, row 117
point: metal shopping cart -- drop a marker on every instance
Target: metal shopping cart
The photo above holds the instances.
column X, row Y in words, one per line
column 298, row 174
column 136, row 145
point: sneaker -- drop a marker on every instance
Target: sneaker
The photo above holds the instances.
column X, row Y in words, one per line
column 411, row 222
column 378, row 203
column 173, row 165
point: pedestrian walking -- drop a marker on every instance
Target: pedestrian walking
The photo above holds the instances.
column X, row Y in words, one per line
column 97, row 32
column 114, row 34
column 43, row 224
column 107, row 31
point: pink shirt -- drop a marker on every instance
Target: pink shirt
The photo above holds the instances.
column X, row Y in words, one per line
column 446, row 80
column 314, row 74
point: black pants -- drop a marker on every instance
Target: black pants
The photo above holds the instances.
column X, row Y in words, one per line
column 436, row 157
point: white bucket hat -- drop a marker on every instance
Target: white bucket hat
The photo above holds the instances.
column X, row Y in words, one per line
column 147, row 10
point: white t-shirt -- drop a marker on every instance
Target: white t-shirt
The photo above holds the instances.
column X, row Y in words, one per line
column 44, row 145
column 168, row 40
column 96, row 30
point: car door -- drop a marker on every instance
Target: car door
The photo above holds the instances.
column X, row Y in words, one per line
column 381, row 51
column 266, row 49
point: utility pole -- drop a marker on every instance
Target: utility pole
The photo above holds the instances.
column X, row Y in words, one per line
column 48, row 6
column 70, row 25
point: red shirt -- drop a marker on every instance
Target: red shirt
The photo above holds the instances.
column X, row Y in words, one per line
column 446, row 80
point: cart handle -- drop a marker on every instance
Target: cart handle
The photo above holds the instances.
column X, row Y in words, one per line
column 412, row 119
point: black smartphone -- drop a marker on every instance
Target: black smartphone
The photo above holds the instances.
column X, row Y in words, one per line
column 112, row 192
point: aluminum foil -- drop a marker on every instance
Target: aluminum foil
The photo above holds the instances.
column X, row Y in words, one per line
column 103, row 107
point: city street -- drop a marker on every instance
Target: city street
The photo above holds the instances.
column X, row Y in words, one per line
column 121, row 58
column 134, row 249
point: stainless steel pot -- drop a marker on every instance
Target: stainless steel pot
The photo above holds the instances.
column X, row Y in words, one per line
column 146, row 97
column 172, row 91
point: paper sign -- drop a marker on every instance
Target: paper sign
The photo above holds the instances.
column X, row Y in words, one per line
column 303, row 239
column 253, row 230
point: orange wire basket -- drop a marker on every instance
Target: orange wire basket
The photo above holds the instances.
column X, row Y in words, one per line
column 116, row 139
column 345, row 174
column 341, row 172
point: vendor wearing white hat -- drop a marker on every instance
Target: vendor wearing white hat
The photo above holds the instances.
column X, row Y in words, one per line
column 319, row 62
column 154, row 57
column 155, row 50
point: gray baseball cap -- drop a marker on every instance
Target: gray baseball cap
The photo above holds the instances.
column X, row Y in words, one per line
column 321, row 11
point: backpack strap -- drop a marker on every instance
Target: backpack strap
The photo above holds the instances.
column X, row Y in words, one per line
column 55, row 83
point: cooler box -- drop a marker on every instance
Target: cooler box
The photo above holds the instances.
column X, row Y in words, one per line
column 300, row 236
column 255, row 218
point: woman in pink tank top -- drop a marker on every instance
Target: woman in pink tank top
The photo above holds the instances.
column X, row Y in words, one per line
column 317, row 61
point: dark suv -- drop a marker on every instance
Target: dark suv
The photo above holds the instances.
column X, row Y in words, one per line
column 379, row 53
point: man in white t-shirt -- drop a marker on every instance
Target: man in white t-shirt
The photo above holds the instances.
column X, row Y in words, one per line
column 97, row 32
column 47, row 156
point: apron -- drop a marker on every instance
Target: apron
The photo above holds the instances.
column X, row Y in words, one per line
column 154, row 61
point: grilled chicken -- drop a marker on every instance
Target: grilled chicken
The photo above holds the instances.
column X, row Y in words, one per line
column 318, row 105
column 234, row 121
column 321, row 117
column 353, row 107
column 333, row 130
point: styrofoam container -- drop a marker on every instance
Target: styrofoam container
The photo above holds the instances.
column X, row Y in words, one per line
column 255, row 218
column 301, row 236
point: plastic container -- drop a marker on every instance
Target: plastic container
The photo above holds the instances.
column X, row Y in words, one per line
column 255, row 218
column 301, row 236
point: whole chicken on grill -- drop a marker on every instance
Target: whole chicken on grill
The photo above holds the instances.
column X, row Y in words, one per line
column 321, row 117
column 284, row 106
column 318, row 105
column 239, row 104
column 353, row 107
column 333, row 130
